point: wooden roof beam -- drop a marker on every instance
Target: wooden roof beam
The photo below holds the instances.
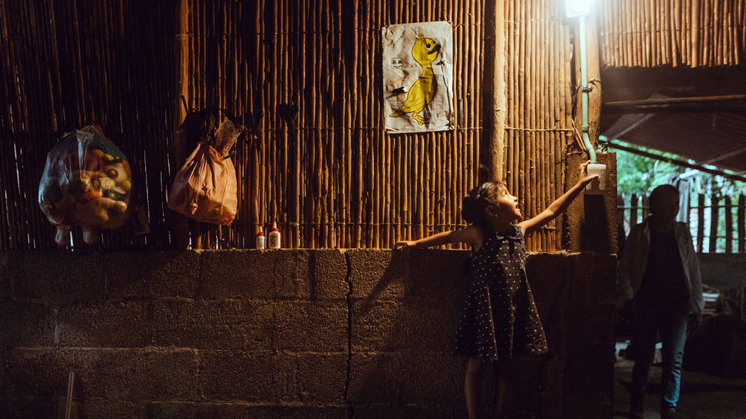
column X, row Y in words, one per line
column 673, row 101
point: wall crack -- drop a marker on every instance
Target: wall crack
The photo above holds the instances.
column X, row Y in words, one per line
column 349, row 334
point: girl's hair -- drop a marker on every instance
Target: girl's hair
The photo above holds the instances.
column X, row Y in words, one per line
column 475, row 203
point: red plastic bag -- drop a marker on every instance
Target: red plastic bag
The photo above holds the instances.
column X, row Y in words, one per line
column 205, row 188
column 87, row 181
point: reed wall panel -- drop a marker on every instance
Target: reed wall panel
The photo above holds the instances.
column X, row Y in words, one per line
column 693, row 33
column 66, row 64
column 331, row 176
column 539, row 118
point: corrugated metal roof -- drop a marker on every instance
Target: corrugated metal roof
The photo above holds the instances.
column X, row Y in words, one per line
column 713, row 138
column 710, row 132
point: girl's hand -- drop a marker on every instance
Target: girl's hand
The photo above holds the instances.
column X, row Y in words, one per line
column 583, row 176
column 404, row 244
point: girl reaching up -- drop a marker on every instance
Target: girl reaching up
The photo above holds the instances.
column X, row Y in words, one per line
column 499, row 318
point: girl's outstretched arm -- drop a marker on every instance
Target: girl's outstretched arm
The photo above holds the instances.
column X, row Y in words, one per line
column 470, row 235
column 560, row 204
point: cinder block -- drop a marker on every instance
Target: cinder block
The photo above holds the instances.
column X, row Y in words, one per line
column 386, row 325
column 411, row 377
column 413, row 273
column 526, row 376
column 432, row 378
column 168, row 410
column 408, row 412
column 26, row 324
column 376, row 274
column 553, row 392
column 592, row 383
column 105, row 324
column 125, row 374
column 311, row 326
column 151, row 373
column 155, row 274
column 5, row 291
column 374, row 378
column 328, row 274
column 292, row 280
column 29, row 407
column 254, row 274
column 435, row 274
column 310, row 378
column 57, row 276
column 596, row 271
column 603, row 318
column 299, row 412
column 164, row 410
column 234, row 375
column 547, row 278
column 99, row 408
column 550, row 284
column 209, row 324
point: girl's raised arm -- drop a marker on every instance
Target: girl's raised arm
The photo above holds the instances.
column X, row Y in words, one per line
column 468, row 235
column 560, row 204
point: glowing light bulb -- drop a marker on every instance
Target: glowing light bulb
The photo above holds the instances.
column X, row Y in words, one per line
column 575, row 8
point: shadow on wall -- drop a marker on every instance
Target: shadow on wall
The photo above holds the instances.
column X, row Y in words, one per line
column 405, row 307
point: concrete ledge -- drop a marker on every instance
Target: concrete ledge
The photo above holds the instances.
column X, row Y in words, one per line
column 273, row 274
column 155, row 274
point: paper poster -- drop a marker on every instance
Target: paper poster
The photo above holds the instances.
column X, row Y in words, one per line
column 418, row 77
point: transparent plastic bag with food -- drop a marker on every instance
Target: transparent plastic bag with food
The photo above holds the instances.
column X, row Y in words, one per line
column 86, row 182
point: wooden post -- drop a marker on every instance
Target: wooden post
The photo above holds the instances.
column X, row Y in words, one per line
column 622, row 233
column 180, row 222
column 494, row 94
column 714, row 215
column 741, row 223
column 633, row 211
column 701, row 223
column 728, row 225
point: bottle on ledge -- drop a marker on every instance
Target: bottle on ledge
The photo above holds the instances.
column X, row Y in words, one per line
column 274, row 237
column 260, row 240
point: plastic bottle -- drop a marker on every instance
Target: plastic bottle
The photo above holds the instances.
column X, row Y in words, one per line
column 274, row 237
column 260, row 240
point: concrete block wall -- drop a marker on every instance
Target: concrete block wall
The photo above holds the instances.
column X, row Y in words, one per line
column 287, row 333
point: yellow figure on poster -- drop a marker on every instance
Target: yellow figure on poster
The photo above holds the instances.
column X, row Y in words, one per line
column 424, row 51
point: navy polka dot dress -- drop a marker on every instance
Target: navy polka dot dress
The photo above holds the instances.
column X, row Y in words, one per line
column 499, row 317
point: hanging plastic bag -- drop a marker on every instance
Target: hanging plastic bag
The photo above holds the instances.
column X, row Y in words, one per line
column 87, row 182
column 205, row 188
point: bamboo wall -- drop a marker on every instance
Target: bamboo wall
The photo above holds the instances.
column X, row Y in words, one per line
column 330, row 177
column 694, row 33
column 64, row 64
column 540, row 105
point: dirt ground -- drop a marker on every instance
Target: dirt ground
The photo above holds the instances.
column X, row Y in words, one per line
column 703, row 396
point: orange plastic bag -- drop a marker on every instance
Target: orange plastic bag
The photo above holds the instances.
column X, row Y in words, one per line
column 205, row 188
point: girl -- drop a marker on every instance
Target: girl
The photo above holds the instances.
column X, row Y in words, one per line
column 499, row 318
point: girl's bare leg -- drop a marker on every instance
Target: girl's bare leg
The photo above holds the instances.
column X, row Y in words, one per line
column 473, row 386
column 501, row 382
